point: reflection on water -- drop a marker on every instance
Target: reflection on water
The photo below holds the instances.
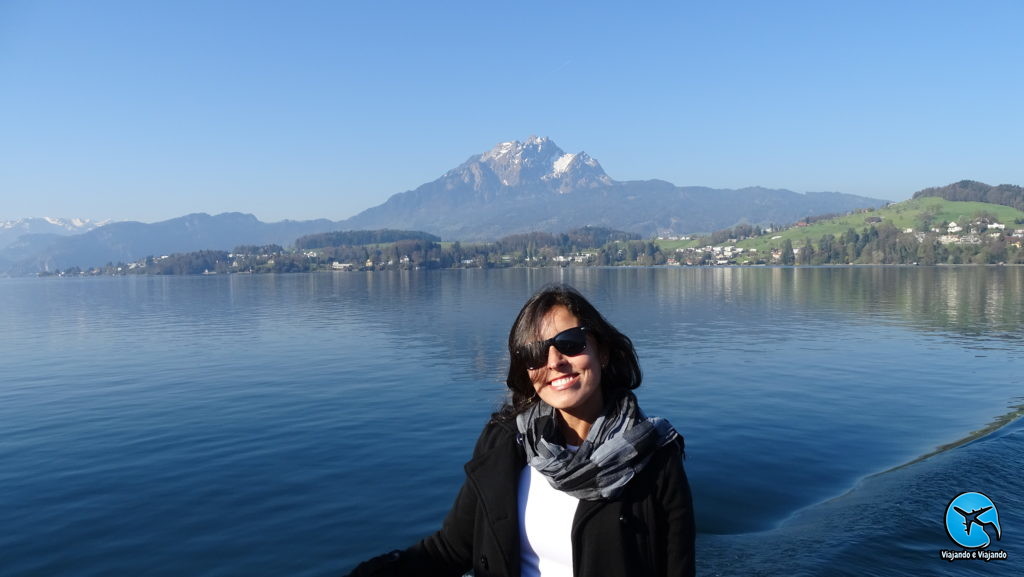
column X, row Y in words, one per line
column 966, row 300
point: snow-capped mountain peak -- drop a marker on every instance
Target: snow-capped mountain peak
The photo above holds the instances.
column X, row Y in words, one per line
column 52, row 224
column 11, row 230
column 536, row 161
column 502, row 149
column 562, row 164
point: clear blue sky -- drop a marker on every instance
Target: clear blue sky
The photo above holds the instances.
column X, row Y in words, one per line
column 147, row 110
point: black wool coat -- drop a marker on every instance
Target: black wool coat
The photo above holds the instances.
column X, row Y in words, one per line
column 648, row 531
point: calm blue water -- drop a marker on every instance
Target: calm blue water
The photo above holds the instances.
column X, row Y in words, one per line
column 296, row 424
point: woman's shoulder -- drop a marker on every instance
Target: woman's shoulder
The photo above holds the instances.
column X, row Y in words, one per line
column 498, row 443
column 665, row 460
column 496, row 432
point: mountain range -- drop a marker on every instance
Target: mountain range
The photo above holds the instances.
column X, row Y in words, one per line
column 515, row 187
column 534, row 185
column 11, row 230
column 130, row 241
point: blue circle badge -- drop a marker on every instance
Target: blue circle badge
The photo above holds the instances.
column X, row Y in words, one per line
column 971, row 519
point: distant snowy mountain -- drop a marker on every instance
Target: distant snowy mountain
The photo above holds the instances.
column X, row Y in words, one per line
column 536, row 186
column 10, row 230
column 538, row 160
column 131, row 241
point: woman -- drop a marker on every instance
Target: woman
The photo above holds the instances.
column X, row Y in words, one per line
column 569, row 478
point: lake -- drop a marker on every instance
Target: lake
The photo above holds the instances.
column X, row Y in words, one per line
column 297, row 424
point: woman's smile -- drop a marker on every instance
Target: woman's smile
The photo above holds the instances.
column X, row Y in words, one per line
column 562, row 383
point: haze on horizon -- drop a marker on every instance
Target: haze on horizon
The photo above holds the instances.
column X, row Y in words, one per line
column 149, row 111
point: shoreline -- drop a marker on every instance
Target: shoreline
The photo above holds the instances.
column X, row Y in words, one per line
column 85, row 274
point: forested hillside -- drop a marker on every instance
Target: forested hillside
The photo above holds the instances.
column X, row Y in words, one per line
column 973, row 191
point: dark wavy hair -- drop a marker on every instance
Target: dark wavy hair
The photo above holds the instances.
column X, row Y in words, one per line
column 622, row 371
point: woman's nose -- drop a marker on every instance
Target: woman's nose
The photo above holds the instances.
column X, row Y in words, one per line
column 555, row 358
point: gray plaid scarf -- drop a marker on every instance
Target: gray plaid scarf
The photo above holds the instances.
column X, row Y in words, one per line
column 618, row 446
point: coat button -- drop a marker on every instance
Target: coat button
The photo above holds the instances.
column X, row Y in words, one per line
column 483, row 562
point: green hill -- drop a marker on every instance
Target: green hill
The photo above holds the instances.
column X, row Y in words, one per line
column 916, row 231
column 973, row 191
column 920, row 214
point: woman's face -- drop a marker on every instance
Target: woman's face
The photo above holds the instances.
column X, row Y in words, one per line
column 569, row 384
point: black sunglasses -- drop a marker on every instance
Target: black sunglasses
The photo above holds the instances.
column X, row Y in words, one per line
column 570, row 342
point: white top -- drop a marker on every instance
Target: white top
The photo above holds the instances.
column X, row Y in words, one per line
column 545, row 526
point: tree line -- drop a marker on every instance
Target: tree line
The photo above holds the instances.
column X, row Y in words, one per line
column 973, row 191
column 359, row 250
column 885, row 244
column 361, row 237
